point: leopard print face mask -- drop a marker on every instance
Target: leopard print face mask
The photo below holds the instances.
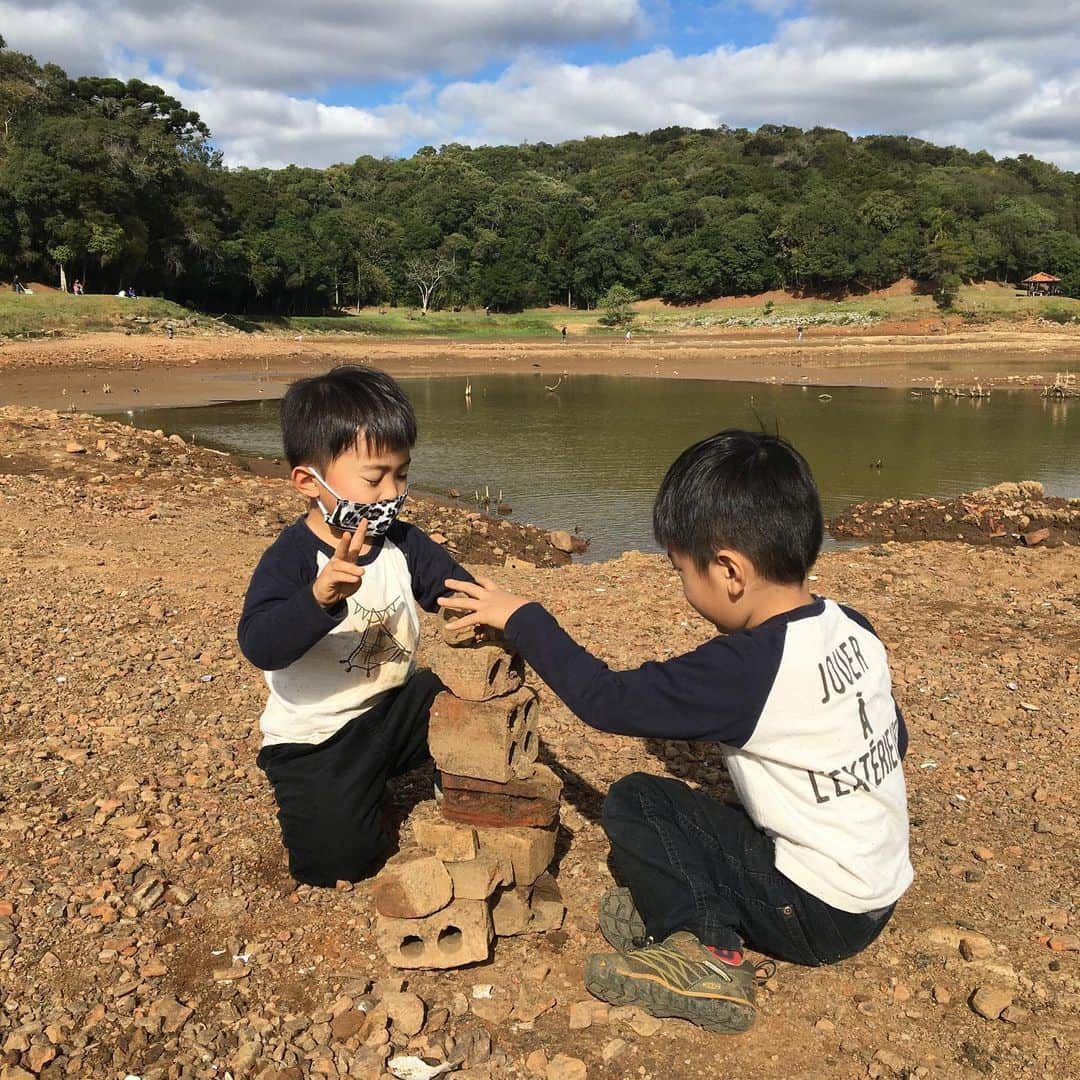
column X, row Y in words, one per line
column 348, row 513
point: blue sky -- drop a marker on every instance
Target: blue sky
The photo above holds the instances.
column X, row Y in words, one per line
column 338, row 78
column 684, row 28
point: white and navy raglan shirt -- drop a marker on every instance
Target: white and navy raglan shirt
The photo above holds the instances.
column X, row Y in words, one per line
column 326, row 666
column 803, row 710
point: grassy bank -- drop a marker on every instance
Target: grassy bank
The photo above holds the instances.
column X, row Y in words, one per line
column 49, row 312
column 411, row 322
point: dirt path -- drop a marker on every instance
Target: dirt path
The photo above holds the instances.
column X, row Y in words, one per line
column 139, row 853
column 154, row 371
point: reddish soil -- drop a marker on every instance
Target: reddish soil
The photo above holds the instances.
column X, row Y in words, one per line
column 127, row 763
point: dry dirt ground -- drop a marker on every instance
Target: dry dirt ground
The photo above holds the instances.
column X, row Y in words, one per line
column 1003, row 515
column 114, row 371
column 147, row 924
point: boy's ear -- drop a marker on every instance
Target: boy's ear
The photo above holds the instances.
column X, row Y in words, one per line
column 304, row 482
column 733, row 569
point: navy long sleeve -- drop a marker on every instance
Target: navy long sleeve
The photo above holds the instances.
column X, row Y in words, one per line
column 282, row 620
column 812, row 738
column 714, row 693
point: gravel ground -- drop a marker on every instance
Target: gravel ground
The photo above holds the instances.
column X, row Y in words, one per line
column 148, row 926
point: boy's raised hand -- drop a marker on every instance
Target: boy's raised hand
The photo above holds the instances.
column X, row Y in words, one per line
column 484, row 602
column 341, row 577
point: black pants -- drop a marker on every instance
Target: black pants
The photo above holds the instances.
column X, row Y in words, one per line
column 330, row 794
column 692, row 863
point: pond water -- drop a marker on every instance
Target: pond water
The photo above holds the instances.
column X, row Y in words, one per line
column 591, row 454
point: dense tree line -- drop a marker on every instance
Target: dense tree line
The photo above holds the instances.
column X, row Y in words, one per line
column 117, row 183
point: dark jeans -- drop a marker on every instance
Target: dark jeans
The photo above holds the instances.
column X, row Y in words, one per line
column 692, row 863
column 330, row 794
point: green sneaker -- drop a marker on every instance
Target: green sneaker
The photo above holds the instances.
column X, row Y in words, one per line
column 678, row 977
column 620, row 922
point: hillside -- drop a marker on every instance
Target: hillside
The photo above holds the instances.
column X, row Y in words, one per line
column 120, row 182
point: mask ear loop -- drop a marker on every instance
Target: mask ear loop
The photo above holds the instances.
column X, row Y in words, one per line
column 312, row 471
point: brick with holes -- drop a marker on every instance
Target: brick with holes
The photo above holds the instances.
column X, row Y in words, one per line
column 492, row 740
column 459, row 934
column 476, row 674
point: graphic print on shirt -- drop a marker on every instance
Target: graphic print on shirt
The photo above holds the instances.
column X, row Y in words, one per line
column 838, row 672
column 377, row 645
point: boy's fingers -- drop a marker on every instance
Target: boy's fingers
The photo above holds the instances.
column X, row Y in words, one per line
column 348, row 571
column 457, row 603
column 463, row 622
column 466, row 587
column 486, row 583
column 357, row 541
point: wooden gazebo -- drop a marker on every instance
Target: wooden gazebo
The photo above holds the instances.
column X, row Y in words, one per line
column 1042, row 284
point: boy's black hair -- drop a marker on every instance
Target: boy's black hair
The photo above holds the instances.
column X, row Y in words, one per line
column 747, row 491
column 321, row 417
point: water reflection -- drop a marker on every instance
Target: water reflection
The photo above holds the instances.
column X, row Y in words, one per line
column 591, row 453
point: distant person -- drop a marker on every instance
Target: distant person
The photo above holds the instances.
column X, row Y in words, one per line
column 798, row 332
column 17, row 285
column 330, row 617
column 131, row 293
column 808, row 864
column 77, row 288
column 629, row 335
column 563, row 333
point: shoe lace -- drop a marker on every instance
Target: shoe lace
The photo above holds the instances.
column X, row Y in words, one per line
column 764, row 970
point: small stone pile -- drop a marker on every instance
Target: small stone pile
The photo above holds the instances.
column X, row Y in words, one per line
column 486, row 874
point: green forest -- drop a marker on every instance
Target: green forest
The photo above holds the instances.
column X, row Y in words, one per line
column 116, row 183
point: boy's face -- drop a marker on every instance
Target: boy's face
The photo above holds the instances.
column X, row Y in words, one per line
column 360, row 475
column 705, row 590
column 717, row 593
column 366, row 476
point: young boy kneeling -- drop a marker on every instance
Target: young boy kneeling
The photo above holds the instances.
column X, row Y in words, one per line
column 810, row 862
column 330, row 618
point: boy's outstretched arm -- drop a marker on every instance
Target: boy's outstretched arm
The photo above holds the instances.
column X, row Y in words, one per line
column 712, row 693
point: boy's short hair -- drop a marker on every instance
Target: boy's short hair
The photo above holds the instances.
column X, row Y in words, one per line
column 322, row 417
column 746, row 491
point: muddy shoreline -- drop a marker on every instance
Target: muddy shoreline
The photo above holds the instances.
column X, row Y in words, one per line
column 140, row 859
column 98, row 372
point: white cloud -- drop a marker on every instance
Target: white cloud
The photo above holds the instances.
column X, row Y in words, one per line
column 277, row 44
column 271, row 129
column 991, row 74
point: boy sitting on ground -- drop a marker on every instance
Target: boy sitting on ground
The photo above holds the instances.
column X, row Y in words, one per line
column 796, row 691
column 329, row 617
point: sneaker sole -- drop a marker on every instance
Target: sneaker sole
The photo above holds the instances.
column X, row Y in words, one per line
column 619, row 920
column 722, row 1016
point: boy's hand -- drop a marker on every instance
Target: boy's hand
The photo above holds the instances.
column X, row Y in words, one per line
column 341, row 577
column 485, row 603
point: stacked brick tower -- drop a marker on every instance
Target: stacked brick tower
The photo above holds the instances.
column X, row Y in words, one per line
column 486, row 875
